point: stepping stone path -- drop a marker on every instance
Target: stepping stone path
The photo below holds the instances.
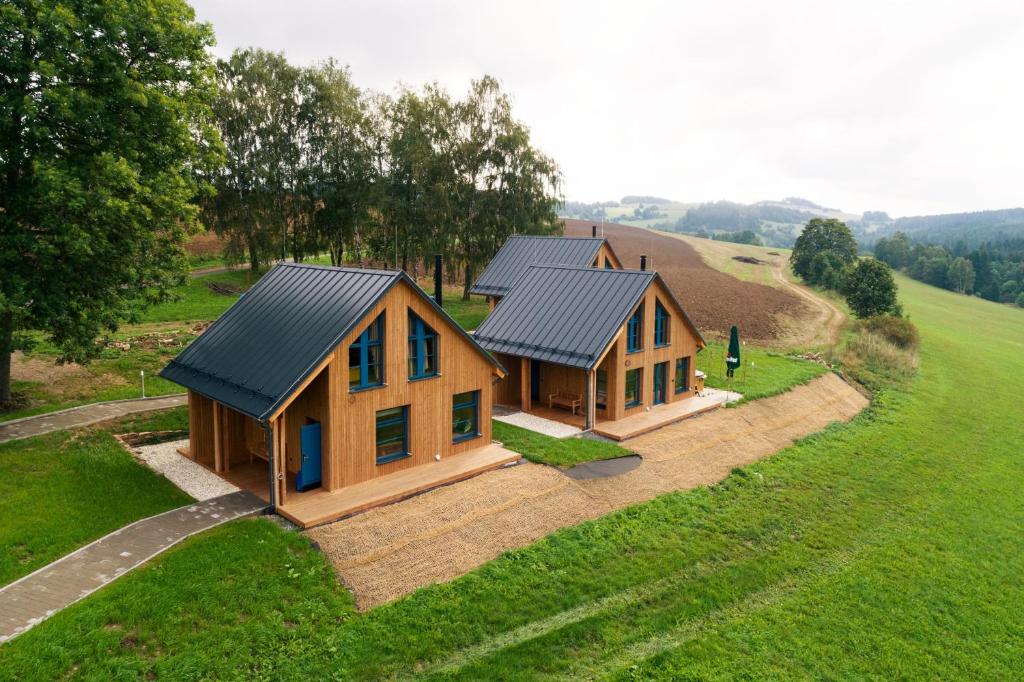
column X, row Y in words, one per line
column 37, row 596
column 85, row 415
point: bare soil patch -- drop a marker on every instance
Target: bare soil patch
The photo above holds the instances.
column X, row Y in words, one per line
column 714, row 300
column 750, row 259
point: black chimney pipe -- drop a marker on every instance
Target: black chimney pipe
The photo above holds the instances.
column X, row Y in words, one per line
column 593, row 230
column 643, row 263
column 437, row 279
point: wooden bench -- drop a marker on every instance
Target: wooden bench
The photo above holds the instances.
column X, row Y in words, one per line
column 565, row 399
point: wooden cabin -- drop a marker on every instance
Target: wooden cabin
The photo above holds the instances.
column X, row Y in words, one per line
column 522, row 251
column 597, row 344
column 325, row 389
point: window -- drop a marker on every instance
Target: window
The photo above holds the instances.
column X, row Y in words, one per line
column 635, row 333
column 608, row 264
column 661, row 320
column 465, row 415
column 366, row 357
column 602, row 390
column 392, row 434
column 422, row 349
column 633, row 384
column 682, row 375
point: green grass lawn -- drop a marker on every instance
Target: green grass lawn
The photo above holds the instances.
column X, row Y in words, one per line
column 64, row 489
column 559, row 452
column 889, row 547
column 763, row 374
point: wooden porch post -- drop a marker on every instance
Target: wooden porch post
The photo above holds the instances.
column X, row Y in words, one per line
column 218, row 450
column 524, row 384
column 590, row 401
column 282, row 460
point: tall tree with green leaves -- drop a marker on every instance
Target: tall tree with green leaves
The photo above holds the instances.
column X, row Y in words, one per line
column 105, row 124
column 822, row 234
column 257, row 111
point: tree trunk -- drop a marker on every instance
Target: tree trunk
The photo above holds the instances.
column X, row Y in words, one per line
column 468, row 282
column 254, row 262
column 6, row 348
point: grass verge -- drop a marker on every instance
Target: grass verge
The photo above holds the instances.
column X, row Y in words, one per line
column 763, row 373
column 558, row 452
column 65, row 489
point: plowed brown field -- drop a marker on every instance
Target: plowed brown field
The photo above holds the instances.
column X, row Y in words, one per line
column 714, row 300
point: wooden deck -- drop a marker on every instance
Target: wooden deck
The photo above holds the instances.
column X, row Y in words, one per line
column 641, row 422
column 315, row 507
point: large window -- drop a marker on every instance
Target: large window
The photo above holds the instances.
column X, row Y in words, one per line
column 602, row 389
column 682, row 375
column 392, row 434
column 661, row 324
column 634, row 377
column 366, row 357
column 422, row 349
column 465, row 416
column 635, row 333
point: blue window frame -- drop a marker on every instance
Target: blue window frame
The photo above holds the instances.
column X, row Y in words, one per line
column 682, row 374
column 634, row 378
column 465, row 416
column 661, row 324
column 635, row 333
column 366, row 357
column 608, row 264
column 422, row 349
column 392, row 434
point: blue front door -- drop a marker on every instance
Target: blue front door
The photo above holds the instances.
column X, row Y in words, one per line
column 660, row 375
column 309, row 469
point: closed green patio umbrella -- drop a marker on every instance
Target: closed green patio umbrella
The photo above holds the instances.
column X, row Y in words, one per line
column 732, row 360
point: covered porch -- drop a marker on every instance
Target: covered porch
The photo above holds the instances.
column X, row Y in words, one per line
column 319, row 505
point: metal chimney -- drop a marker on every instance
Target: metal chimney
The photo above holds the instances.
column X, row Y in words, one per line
column 643, row 263
column 593, row 230
column 437, row 279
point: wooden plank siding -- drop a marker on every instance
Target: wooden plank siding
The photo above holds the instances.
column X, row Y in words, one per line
column 606, row 255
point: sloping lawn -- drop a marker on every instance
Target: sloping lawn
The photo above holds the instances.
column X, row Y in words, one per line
column 886, row 548
column 559, row 452
column 65, row 489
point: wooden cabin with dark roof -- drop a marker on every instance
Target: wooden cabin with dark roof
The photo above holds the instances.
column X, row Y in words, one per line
column 590, row 345
column 522, row 251
column 330, row 390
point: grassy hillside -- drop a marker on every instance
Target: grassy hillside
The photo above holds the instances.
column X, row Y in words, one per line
column 889, row 547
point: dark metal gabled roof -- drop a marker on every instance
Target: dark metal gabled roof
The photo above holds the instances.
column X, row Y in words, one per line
column 565, row 315
column 258, row 352
column 522, row 251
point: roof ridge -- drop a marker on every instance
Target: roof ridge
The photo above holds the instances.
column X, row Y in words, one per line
column 340, row 268
column 554, row 236
column 591, row 268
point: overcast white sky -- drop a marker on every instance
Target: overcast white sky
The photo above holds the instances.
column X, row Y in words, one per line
column 908, row 107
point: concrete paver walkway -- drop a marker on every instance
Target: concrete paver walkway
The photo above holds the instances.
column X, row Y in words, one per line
column 39, row 595
column 83, row 415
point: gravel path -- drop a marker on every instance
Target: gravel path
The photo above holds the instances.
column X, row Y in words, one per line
column 194, row 479
column 437, row 536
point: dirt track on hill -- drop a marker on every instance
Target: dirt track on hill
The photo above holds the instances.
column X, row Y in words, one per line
column 437, row 536
column 713, row 299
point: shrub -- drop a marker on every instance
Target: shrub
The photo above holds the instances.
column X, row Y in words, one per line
column 875, row 361
column 870, row 289
column 1020, row 300
column 895, row 330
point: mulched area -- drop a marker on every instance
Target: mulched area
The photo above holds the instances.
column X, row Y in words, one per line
column 714, row 300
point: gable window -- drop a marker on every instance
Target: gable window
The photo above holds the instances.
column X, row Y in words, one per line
column 608, row 264
column 465, row 416
column 392, row 434
column 602, row 390
column 634, row 377
column 366, row 357
column 682, row 374
column 661, row 320
column 635, row 333
column 422, row 349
